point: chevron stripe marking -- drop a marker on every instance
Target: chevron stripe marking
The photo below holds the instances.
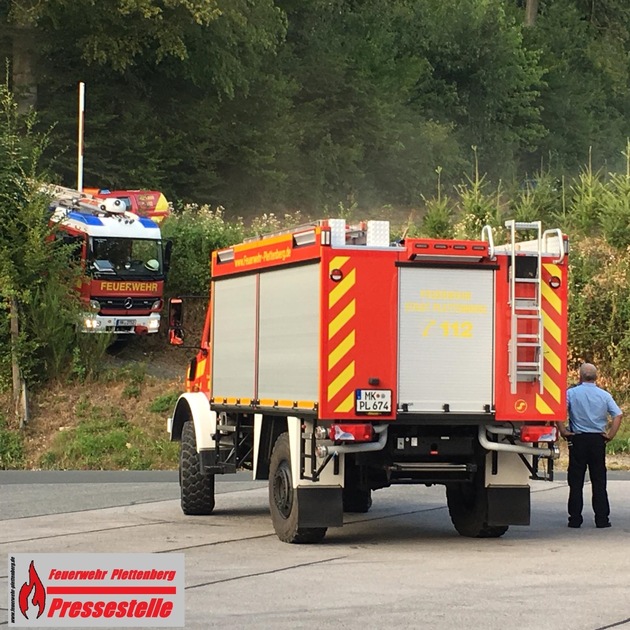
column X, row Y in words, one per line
column 341, row 350
column 552, row 297
column 343, row 318
column 342, row 380
column 552, row 328
column 551, row 387
column 341, row 288
column 337, row 262
column 552, row 357
column 346, row 405
column 542, row 407
column 552, row 270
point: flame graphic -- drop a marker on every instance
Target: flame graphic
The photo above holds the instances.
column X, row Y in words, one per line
column 39, row 596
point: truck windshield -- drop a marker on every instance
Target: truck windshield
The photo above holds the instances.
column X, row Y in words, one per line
column 125, row 257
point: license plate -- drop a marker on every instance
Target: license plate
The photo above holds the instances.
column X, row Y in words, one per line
column 373, row 401
column 125, row 322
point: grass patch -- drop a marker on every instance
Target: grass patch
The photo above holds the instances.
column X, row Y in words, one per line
column 134, row 373
column 12, row 454
column 132, row 391
column 619, row 445
column 106, row 440
column 164, row 403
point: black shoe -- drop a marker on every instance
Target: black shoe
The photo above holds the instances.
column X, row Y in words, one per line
column 574, row 524
column 603, row 525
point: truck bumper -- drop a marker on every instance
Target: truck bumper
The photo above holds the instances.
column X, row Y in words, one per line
column 121, row 324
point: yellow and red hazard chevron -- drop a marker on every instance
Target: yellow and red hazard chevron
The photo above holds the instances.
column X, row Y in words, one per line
column 554, row 345
column 341, row 336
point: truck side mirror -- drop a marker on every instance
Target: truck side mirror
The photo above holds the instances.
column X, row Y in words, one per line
column 175, row 321
column 168, row 248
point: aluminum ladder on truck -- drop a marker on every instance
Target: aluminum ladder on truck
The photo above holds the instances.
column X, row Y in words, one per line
column 526, row 309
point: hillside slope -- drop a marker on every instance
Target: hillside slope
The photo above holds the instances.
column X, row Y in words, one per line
column 114, row 421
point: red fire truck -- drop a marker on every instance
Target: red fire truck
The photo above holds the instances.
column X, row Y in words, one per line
column 123, row 256
column 334, row 363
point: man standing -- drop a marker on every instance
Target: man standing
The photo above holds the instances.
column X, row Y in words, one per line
column 588, row 409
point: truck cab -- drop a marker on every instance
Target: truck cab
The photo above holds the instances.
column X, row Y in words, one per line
column 124, row 259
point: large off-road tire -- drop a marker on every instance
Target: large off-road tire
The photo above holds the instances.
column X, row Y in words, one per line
column 283, row 498
column 197, row 490
column 355, row 498
column 468, row 507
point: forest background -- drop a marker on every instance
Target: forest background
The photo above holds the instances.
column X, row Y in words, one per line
column 442, row 115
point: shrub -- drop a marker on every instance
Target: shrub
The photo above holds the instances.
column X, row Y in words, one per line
column 37, row 275
column 599, row 308
column 165, row 403
column 196, row 231
column 11, row 447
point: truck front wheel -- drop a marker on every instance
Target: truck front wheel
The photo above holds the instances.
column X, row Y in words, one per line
column 197, row 489
column 468, row 507
column 283, row 498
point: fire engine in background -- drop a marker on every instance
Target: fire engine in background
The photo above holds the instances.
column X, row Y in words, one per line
column 124, row 259
column 146, row 203
column 334, row 363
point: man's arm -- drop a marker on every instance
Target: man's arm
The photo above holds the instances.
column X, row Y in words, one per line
column 561, row 426
column 614, row 427
column 562, row 429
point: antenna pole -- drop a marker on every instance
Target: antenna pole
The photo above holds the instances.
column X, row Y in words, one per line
column 80, row 139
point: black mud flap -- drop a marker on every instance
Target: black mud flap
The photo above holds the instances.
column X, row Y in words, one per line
column 508, row 505
column 320, row 507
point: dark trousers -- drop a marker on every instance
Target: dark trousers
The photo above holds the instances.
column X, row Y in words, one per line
column 587, row 450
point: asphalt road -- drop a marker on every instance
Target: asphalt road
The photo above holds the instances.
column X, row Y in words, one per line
column 401, row 565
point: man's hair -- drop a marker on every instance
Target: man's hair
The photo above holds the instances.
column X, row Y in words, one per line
column 588, row 372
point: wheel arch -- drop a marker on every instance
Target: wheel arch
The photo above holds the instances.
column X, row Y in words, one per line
column 196, row 407
column 267, row 429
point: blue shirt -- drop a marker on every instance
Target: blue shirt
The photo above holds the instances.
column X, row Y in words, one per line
column 588, row 407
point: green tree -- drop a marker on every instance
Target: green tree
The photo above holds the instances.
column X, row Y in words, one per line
column 37, row 279
column 479, row 76
column 116, row 36
column 584, row 48
column 169, row 121
column 357, row 140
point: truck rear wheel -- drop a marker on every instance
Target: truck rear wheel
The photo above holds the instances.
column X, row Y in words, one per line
column 196, row 489
column 283, row 498
column 468, row 507
column 356, row 500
